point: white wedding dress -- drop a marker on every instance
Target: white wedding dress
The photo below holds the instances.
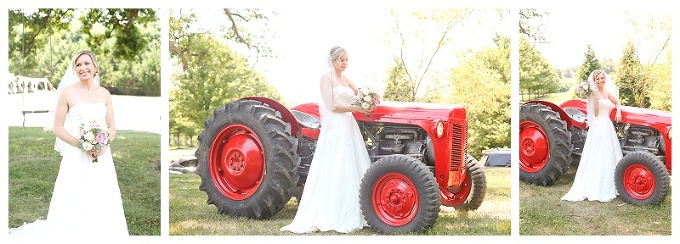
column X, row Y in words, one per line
column 594, row 178
column 86, row 198
column 330, row 199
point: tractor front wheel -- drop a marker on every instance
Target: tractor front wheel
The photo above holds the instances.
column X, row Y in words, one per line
column 470, row 195
column 398, row 193
column 642, row 179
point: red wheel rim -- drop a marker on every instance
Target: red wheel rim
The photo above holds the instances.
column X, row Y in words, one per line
column 395, row 199
column 638, row 181
column 534, row 147
column 237, row 162
column 456, row 196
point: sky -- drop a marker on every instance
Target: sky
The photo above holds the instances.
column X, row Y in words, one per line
column 304, row 36
column 569, row 31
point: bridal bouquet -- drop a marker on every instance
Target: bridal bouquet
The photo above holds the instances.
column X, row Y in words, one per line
column 367, row 98
column 583, row 89
column 93, row 135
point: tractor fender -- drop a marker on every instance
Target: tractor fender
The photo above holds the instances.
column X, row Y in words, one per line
column 286, row 115
column 563, row 115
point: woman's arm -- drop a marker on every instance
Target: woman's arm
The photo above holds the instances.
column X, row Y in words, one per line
column 327, row 97
column 354, row 87
column 617, row 103
column 60, row 117
column 109, row 115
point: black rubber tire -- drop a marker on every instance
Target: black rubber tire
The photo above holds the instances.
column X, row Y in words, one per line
column 559, row 140
column 279, row 150
column 423, row 181
column 477, row 179
column 655, row 166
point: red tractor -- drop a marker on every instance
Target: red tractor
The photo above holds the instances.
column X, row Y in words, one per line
column 552, row 138
column 254, row 155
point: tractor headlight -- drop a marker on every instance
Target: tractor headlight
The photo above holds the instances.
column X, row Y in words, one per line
column 439, row 128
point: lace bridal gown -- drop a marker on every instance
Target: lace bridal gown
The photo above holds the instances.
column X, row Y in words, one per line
column 330, row 199
column 86, row 198
column 594, row 178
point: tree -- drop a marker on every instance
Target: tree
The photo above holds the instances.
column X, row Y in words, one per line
column 590, row 63
column 536, row 75
column 397, row 88
column 235, row 31
column 240, row 20
column 412, row 58
column 123, row 25
column 482, row 86
column 609, row 66
column 632, row 80
column 661, row 91
column 50, row 48
column 212, row 75
column 30, row 31
column 648, row 81
column 532, row 24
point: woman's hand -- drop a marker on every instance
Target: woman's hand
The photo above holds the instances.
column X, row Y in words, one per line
column 618, row 115
column 360, row 109
column 94, row 153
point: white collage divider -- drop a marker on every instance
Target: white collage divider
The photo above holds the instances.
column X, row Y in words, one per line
column 147, row 122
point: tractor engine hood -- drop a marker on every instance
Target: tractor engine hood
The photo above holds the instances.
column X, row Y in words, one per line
column 631, row 115
column 391, row 112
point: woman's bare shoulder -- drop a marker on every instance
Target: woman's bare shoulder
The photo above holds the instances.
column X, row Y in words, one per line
column 103, row 91
column 69, row 90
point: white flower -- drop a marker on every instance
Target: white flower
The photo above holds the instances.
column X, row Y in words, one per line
column 89, row 136
column 365, row 105
column 368, row 98
column 87, row 146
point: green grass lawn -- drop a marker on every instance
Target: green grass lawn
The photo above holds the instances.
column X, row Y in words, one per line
column 191, row 215
column 33, row 168
column 542, row 213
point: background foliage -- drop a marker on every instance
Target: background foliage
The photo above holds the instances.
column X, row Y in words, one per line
column 126, row 42
column 212, row 74
column 479, row 80
column 644, row 80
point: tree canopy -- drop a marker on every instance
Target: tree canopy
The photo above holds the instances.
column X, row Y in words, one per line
column 590, row 63
column 126, row 42
column 211, row 75
column 536, row 75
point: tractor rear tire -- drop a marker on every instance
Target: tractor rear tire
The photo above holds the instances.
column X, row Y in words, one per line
column 399, row 194
column 642, row 179
column 545, row 145
column 247, row 160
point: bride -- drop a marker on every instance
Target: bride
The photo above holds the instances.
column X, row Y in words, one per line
column 86, row 198
column 594, row 178
column 330, row 199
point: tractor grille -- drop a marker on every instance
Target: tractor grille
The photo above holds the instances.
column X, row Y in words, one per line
column 458, row 146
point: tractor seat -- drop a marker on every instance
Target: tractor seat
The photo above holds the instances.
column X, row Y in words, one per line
column 576, row 114
column 306, row 120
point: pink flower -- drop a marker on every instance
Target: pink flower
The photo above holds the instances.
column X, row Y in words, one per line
column 103, row 138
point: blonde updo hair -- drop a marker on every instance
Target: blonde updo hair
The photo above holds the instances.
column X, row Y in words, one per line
column 88, row 53
column 336, row 52
column 596, row 72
